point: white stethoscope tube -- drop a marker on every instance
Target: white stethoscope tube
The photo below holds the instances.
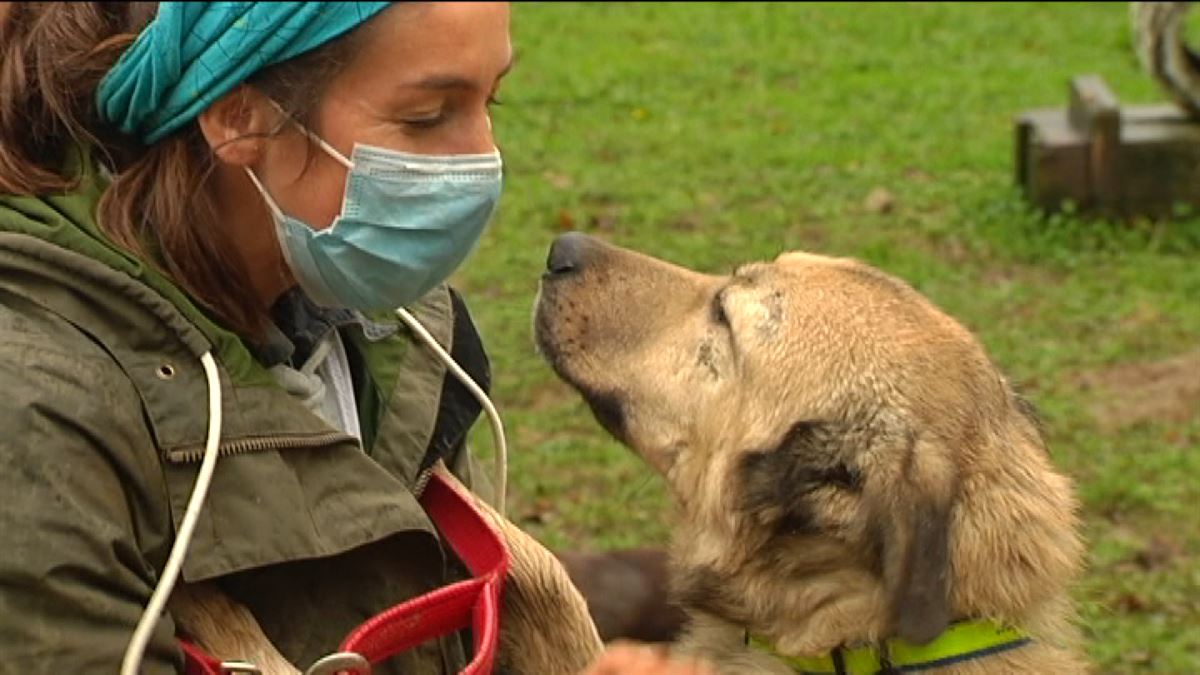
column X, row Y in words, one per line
column 500, row 461
column 141, row 635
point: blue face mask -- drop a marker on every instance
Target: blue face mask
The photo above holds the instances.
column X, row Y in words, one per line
column 407, row 222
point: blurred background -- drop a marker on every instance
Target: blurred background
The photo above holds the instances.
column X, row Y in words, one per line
column 711, row 134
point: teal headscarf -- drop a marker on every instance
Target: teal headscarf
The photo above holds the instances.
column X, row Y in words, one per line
column 193, row 53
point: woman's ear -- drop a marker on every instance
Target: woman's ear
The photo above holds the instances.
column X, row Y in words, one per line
column 237, row 126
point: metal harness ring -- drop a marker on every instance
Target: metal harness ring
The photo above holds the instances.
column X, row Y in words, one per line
column 339, row 662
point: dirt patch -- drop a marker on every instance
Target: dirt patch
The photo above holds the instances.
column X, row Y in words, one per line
column 1158, row 391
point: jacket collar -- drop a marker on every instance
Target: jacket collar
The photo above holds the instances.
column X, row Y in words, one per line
column 67, row 223
column 298, row 324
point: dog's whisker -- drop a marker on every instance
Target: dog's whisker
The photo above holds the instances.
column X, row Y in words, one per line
column 638, row 489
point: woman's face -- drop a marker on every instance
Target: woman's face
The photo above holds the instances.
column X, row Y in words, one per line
column 422, row 82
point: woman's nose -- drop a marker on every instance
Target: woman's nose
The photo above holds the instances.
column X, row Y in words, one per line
column 482, row 138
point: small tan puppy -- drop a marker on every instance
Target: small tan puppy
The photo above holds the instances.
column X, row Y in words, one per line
column 848, row 464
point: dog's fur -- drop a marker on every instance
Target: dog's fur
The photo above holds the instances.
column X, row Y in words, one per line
column 847, row 462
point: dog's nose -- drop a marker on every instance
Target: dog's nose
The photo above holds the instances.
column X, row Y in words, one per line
column 568, row 253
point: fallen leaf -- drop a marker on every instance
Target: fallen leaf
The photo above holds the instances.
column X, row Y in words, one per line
column 602, row 222
column 565, row 220
column 1132, row 603
column 880, row 200
column 558, row 180
column 917, row 175
column 1159, row 553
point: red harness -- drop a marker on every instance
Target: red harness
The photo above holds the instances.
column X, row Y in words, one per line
column 474, row 602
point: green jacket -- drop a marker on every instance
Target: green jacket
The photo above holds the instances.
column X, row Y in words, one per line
column 102, row 423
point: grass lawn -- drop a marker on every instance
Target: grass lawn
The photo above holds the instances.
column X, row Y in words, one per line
column 715, row 134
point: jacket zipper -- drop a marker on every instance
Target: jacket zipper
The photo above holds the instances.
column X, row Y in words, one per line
column 245, row 445
column 421, row 481
column 242, row 446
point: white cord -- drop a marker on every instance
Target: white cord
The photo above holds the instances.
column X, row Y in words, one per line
column 501, row 446
column 141, row 635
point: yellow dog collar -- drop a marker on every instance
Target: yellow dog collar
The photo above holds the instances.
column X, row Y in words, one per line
column 961, row 641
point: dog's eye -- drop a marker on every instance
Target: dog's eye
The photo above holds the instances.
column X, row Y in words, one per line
column 717, row 311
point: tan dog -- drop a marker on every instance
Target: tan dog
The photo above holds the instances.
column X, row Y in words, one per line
column 848, row 464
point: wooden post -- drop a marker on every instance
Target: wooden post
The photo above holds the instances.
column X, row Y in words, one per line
column 1095, row 113
column 1108, row 159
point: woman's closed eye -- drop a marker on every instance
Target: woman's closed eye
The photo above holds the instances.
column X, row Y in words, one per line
column 434, row 118
column 426, row 121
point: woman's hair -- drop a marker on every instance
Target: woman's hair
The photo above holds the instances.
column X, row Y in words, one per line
column 160, row 204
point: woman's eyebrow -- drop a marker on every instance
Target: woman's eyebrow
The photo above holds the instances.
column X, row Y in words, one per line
column 454, row 81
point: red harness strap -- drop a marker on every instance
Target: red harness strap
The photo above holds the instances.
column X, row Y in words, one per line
column 474, row 602
column 196, row 662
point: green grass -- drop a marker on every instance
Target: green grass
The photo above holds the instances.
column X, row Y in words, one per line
column 715, row 134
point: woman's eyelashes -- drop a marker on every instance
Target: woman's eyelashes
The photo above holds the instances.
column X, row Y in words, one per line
column 422, row 121
column 425, row 121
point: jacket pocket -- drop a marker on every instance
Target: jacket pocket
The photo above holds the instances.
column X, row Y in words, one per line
column 273, row 505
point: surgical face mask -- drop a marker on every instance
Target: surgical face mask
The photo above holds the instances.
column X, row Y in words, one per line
column 407, row 222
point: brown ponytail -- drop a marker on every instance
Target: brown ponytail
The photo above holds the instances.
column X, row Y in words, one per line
column 160, row 205
column 52, row 56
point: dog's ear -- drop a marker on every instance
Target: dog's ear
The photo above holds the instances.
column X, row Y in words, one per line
column 912, row 531
column 916, row 550
column 776, row 484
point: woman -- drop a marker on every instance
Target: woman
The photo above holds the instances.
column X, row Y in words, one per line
column 164, row 192
column 164, row 173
